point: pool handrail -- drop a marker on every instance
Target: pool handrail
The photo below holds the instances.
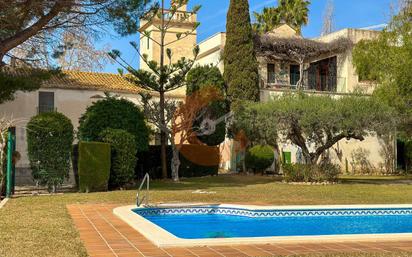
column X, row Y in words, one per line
column 145, row 198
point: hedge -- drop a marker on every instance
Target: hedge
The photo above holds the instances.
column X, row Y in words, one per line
column 259, row 158
column 49, row 141
column 326, row 172
column 203, row 161
column 94, row 166
column 123, row 156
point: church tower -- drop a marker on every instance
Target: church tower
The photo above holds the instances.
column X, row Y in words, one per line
column 178, row 24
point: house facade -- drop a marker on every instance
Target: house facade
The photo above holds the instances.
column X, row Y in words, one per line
column 329, row 72
column 69, row 94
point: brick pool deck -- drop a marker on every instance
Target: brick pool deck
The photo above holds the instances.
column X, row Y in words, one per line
column 105, row 235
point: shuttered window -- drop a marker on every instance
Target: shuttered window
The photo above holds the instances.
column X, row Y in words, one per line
column 46, row 102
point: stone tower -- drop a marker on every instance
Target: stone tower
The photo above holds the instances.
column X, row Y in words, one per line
column 178, row 24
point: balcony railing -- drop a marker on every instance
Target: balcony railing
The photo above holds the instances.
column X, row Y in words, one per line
column 319, row 83
column 179, row 16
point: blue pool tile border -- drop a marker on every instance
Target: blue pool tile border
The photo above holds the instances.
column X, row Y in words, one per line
column 271, row 213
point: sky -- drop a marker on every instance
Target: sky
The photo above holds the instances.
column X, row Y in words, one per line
column 212, row 16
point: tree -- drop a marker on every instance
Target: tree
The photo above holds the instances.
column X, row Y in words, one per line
column 292, row 12
column 115, row 114
column 79, row 53
column 49, row 145
column 200, row 78
column 241, row 67
column 387, row 61
column 165, row 76
column 39, row 21
column 20, row 79
column 317, row 123
column 267, row 20
column 30, row 31
column 328, row 19
column 185, row 121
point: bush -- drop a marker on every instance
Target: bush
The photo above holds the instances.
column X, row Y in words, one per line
column 94, row 166
column 259, row 158
column 49, row 140
column 123, row 159
column 201, row 78
column 311, row 173
column 149, row 162
column 116, row 114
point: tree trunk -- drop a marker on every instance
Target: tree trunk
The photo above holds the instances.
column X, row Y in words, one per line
column 175, row 164
column 299, row 84
column 163, row 136
column 1, row 59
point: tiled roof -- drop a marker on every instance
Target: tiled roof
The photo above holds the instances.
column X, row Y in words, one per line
column 92, row 81
column 97, row 81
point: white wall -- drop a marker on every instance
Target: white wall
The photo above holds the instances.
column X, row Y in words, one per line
column 72, row 103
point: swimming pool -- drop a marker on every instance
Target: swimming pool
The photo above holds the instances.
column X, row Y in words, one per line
column 226, row 224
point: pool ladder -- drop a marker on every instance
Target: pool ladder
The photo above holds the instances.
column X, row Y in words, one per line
column 145, row 197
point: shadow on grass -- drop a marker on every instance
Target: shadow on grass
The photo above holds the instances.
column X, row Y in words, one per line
column 223, row 181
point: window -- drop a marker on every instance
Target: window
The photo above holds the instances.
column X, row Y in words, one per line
column 46, row 102
column 271, row 73
column 294, row 74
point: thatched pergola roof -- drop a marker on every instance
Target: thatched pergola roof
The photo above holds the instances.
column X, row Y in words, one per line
column 297, row 48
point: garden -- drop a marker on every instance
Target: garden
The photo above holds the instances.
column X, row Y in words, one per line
column 179, row 141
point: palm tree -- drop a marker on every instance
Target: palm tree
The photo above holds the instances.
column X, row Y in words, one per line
column 292, row 12
column 267, row 20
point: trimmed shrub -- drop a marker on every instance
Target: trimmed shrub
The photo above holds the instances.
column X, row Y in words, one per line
column 94, row 166
column 123, row 156
column 326, row 172
column 49, row 141
column 259, row 158
column 149, row 162
column 116, row 114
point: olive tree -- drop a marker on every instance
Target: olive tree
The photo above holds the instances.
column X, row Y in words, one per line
column 317, row 123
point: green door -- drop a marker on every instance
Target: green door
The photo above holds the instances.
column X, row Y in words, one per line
column 287, row 157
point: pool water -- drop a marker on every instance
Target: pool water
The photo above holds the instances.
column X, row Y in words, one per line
column 215, row 225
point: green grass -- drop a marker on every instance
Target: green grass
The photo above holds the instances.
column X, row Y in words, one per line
column 41, row 226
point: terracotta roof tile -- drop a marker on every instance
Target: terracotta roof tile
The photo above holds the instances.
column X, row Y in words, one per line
column 93, row 81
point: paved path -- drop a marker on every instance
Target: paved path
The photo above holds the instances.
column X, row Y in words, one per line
column 105, row 235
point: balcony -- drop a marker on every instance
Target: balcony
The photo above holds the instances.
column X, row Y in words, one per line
column 179, row 17
column 316, row 83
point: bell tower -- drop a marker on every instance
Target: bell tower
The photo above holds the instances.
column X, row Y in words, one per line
column 180, row 23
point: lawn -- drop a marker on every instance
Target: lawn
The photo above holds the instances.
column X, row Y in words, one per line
column 41, row 226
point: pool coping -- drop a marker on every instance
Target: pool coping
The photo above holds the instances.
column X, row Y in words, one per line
column 162, row 238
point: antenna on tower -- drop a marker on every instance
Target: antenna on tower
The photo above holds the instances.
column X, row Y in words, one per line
column 328, row 18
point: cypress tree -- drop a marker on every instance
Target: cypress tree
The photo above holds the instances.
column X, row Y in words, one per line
column 241, row 67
